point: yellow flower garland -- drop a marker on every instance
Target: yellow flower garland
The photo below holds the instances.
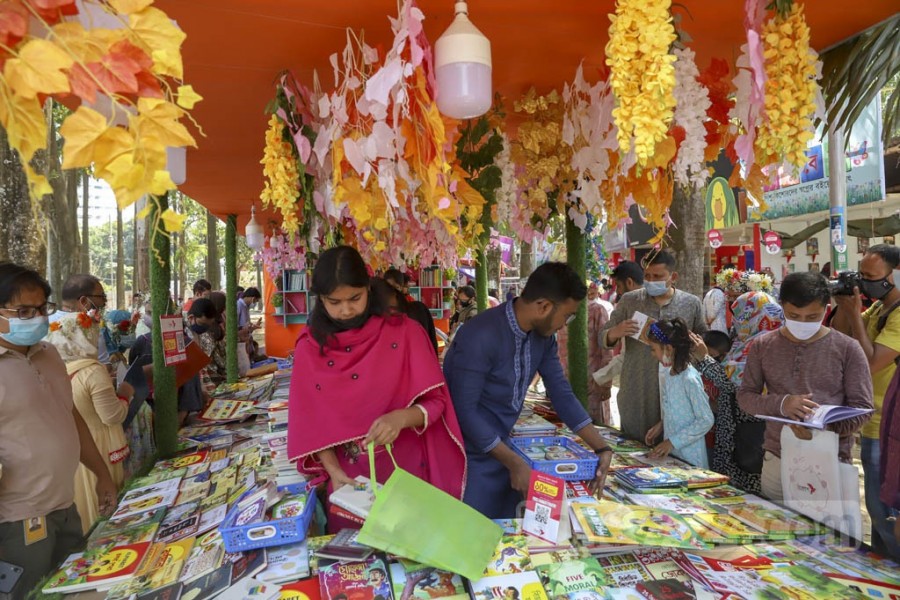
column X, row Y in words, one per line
column 790, row 89
column 282, row 186
column 642, row 74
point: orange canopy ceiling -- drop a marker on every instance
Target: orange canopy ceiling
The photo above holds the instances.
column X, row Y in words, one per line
column 236, row 48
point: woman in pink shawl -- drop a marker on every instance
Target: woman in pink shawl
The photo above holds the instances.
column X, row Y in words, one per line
column 364, row 374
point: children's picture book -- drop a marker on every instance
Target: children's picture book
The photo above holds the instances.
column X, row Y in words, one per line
column 774, row 521
column 160, row 569
column 626, row 461
column 611, row 523
column 251, row 589
column 515, row 586
column 557, row 556
column 643, row 326
column 359, row 580
column 152, row 489
column 731, row 528
column 355, row 499
column 183, row 461
column 582, row 579
column 286, row 563
column 226, row 410
column 207, row 555
column 510, row 526
column 624, row 569
column 315, row 544
column 798, row 581
column 662, row 563
column 722, row 491
column 209, row 585
column 142, row 527
column 100, row 567
column 682, row 504
column 412, row 580
column 824, row 415
column 290, row 506
column 651, row 478
column 511, row 556
column 666, row 589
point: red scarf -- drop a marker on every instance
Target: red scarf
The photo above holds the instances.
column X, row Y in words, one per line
column 385, row 365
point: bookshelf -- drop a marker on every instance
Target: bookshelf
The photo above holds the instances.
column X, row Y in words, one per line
column 433, row 290
column 297, row 301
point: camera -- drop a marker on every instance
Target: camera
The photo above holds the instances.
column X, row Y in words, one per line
column 844, row 284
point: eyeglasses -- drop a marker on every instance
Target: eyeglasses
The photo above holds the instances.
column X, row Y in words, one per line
column 29, row 312
column 101, row 296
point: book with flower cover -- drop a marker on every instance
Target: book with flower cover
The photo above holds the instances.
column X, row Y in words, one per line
column 527, row 586
column 611, row 523
column 580, row 579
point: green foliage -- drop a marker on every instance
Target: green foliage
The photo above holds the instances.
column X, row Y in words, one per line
column 476, row 150
column 102, row 248
column 577, row 341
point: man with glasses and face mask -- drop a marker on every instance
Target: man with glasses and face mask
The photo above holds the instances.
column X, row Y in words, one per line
column 489, row 366
column 84, row 293
column 793, row 370
column 878, row 332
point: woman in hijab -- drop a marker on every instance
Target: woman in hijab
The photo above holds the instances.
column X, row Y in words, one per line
column 101, row 406
column 365, row 374
column 754, row 313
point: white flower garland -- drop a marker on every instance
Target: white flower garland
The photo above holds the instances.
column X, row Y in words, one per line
column 691, row 103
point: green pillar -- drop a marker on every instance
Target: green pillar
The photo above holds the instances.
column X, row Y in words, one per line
column 578, row 336
column 481, row 281
column 164, row 391
column 231, row 324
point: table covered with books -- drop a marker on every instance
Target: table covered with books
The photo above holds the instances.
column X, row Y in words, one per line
column 231, row 518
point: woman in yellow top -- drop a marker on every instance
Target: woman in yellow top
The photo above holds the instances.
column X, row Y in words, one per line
column 101, row 406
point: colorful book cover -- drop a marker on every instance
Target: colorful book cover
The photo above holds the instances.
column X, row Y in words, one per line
column 251, row 589
column 290, row 506
column 315, row 544
column 624, row 569
column 677, row 503
column 666, row 589
column 621, row 444
column 653, row 477
column 611, row 523
column 721, row 491
column 192, row 492
column 144, row 504
column 798, row 581
column 160, row 569
column 511, row 556
column 412, row 580
column 557, row 556
column 142, row 527
column 517, row 586
column 356, row 499
column 100, row 567
column 581, row 579
column 774, row 521
column 181, row 521
column 360, row 580
column 345, row 547
column 155, row 476
column 286, row 563
column 730, row 527
column 184, row 461
column 510, row 526
column 307, row 589
column 626, row 461
column 709, row 536
column 208, row 585
column 207, row 555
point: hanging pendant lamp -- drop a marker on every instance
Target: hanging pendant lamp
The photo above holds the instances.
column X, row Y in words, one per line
column 462, row 58
column 256, row 238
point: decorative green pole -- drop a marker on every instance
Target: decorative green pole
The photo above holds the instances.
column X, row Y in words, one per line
column 578, row 334
column 481, row 281
column 164, row 391
column 231, row 324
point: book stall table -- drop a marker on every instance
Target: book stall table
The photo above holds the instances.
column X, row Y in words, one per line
column 208, row 523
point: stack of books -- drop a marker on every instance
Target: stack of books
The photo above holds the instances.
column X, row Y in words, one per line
column 652, row 480
column 533, row 425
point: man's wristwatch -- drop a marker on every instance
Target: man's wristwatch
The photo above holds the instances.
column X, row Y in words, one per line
column 600, row 451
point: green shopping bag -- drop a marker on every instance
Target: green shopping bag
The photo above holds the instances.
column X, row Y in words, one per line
column 415, row 520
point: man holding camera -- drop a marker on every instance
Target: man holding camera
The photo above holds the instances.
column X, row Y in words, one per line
column 878, row 332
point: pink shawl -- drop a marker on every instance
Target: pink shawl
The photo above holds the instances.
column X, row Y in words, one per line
column 387, row 364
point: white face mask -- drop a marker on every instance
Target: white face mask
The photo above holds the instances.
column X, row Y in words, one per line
column 802, row 330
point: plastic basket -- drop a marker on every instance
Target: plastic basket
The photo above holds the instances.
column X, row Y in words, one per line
column 580, row 468
column 267, row 534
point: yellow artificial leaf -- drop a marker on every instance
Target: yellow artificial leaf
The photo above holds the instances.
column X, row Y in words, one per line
column 159, row 119
column 187, row 97
column 126, row 7
column 161, row 183
column 81, row 131
column 88, row 46
column 122, row 174
column 161, row 38
column 37, row 184
column 23, row 119
column 112, row 143
column 172, row 221
column 144, row 212
column 38, row 69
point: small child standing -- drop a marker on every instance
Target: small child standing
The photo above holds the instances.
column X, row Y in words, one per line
column 686, row 415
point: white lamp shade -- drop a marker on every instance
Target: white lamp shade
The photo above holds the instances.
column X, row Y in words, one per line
column 256, row 239
column 176, row 164
column 462, row 57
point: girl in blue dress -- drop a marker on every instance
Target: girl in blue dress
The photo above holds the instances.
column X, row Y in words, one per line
column 686, row 415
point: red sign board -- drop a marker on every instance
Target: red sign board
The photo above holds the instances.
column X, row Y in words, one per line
column 772, row 242
column 715, row 238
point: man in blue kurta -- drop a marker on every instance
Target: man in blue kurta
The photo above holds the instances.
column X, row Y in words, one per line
column 489, row 367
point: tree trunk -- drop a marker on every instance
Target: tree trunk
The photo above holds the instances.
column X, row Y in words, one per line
column 165, row 393
column 85, row 227
column 578, row 335
column 231, row 324
column 526, row 263
column 689, row 239
column 20, row 238
column 73, row 256
column 142, row 254
column 212, row 252
column 120, row 260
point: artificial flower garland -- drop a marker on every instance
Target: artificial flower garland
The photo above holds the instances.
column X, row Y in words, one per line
column 690, row 113
column 282, row 185
column 791, row 87
column 642, row 75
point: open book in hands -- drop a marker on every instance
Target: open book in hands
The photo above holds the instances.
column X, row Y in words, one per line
column 824, row 415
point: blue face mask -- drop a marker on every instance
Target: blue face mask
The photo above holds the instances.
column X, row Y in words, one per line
column 656, row 288
column 26, row 332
